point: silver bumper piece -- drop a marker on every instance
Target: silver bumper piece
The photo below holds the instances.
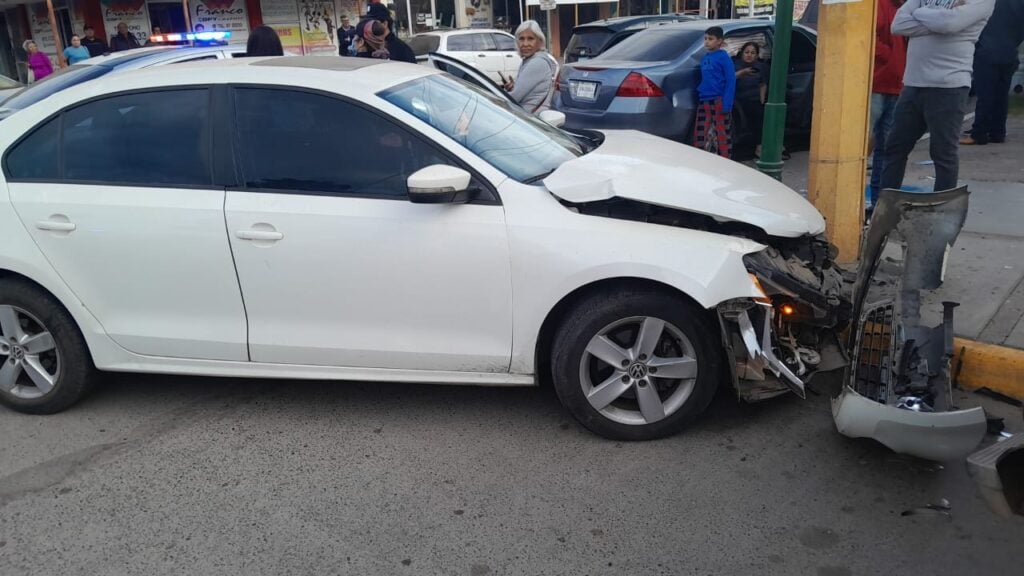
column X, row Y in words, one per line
column 937, row 436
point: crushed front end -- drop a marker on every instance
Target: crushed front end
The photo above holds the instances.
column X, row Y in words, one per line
column 778, row 342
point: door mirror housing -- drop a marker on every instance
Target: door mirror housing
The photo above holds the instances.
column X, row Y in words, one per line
column 552, row 117
column 439, row 184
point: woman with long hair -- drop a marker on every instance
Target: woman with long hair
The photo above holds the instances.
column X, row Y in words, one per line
column 263, row 41
column 751, row 90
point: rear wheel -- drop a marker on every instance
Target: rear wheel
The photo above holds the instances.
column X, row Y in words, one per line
column 45, row 366
column 635, row 365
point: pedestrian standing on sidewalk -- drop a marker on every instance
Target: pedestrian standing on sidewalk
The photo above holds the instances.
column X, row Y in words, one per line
column 890, row 60
column 717, row 88
column 76, row 52
column 751, row 90
column 995, row 61
column 39, row 65
column 123, row 40
column 264, row 41
column 95, row 45
column 940, row 55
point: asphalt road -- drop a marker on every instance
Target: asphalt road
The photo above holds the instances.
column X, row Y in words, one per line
column 160, row 475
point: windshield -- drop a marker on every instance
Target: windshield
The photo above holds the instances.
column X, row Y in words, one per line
column 588, row 42
column 654, row 45
column 59, row 80
column 521, row 146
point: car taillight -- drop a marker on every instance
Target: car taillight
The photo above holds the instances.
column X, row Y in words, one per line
column 636, row 85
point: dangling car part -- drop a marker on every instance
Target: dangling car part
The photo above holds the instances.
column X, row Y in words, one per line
column 898, row 386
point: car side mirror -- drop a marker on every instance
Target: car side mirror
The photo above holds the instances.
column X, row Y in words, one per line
column 439, row 184
column 552, row 117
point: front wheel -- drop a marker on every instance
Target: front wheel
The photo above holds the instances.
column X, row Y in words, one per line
column 635, row 365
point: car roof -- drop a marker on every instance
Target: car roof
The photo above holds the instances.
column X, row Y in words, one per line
column 163, row 53
column 620, row 23
column 461, row 31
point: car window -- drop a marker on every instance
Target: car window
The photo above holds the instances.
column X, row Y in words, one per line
column 588, row 42
column 654, row 45
column 484, row 42
column 59, row 80
column 504, row 43
column 460, row 43
column 146, row 138
column 511, row 140
column 802, row 53
column 300, row 141
column 424, row 44
column 6, row 83
column 36, row 157
column 735, row 40
column 196, row 59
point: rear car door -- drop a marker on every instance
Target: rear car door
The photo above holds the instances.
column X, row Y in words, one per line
column 506, row 47
column 118, row 193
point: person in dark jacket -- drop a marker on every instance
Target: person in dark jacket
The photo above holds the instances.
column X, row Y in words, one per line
column 890, row 61
column 370, row 41
column 751, row 89
column 263, row 41
column 94, row 45
column 995, row 61
column 345, row 35
column 123, row 40
column 397, row 49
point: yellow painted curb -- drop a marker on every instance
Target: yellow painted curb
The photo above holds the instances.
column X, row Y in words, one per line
column 997, row 368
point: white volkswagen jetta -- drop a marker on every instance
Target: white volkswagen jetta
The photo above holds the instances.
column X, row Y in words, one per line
column 354, row 219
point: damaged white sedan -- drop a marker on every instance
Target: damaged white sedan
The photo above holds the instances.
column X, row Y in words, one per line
column 359, row 220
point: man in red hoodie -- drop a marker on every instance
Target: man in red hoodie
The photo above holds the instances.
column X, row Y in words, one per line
column 890, row 60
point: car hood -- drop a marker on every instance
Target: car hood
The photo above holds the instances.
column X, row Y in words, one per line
column 645, row 168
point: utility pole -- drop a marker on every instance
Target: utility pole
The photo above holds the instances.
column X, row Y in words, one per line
column 775, row 109
column 839, row 132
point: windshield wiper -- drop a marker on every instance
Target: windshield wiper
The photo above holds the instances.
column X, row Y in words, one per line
column 538, row 177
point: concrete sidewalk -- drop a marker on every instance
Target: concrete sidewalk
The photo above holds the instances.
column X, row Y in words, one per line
column 985, row 273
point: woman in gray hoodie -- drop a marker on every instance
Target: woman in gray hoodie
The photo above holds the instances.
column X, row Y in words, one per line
column 532, row 89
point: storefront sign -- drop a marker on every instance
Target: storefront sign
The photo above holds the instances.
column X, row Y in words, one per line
column 279, row 11
column 755, row 7
column 211, row 15
column 291, row 38
column 42, row 33
column 132, row 12
column 319, row 26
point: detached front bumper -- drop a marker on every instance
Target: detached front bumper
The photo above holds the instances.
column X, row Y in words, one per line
column 933, row 435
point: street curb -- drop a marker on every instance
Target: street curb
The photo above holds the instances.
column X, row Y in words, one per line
column 980, row 365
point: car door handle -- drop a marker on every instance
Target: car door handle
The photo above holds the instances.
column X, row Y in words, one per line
column 481, row 55
column 56, row 226
column 509, row 55
column 264, row 235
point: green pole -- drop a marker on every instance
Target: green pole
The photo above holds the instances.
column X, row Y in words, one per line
column 775, row 110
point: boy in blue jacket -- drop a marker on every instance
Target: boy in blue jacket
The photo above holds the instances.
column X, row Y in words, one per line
column 713, row 129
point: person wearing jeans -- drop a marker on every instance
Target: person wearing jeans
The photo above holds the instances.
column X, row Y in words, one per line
column 940, row 56
column 995, row 61
column 890, row 60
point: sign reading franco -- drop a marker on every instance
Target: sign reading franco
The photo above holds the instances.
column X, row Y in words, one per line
column 221, row 15
column 132, row 12
column 42, row 33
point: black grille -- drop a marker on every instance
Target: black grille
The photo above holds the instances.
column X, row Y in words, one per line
column 873, row 360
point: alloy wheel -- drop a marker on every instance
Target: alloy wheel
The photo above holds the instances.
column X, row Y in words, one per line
column 638, row 370
column 29, row 358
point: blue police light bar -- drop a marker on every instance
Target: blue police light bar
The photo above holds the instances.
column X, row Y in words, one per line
column 193, row 36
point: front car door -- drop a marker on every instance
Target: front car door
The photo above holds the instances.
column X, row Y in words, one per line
column 118, row 194
column 337, row 267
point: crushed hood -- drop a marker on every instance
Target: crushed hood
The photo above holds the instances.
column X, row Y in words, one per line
column 638, row 166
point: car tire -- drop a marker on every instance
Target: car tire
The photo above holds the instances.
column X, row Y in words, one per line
column 27, row 357
column 687, row 345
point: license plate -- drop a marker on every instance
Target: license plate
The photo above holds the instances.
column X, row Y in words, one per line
column 583, row 90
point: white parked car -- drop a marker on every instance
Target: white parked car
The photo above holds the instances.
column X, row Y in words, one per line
column 208, row 219
column 492, row 51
